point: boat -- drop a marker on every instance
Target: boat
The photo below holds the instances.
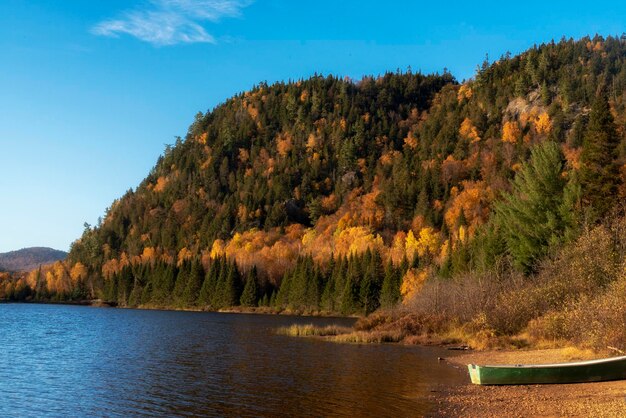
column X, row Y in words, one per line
column 532, row 374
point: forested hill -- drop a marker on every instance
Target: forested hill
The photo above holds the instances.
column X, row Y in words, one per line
column 341, row 195
column 29, row 258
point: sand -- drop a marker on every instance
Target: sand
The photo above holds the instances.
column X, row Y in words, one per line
column 602, row 399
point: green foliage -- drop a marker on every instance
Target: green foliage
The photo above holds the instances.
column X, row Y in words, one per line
column 600, row 172
column 194, row 283
column 250, row 293
column 390, row 292
column 536, row 214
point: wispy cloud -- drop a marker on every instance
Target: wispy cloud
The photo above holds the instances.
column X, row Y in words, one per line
column 170, row 22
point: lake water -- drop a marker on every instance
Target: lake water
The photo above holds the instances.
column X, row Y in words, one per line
column 60, row 360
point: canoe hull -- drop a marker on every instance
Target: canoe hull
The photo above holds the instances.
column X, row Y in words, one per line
column 588, row 371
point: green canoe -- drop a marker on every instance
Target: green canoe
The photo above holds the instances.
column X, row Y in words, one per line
column 578, row 372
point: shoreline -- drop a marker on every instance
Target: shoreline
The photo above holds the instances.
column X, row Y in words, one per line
column 232, row 310
column 599, row 399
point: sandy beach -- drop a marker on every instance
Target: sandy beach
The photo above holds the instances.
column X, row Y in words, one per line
column 603, row 399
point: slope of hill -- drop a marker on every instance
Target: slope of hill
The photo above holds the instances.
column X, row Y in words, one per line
column 28, row 259
column 335, row 195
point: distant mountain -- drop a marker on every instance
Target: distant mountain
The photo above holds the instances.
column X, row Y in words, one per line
column 29, row 258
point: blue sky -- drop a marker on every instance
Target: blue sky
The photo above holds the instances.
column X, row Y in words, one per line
column 90, row 91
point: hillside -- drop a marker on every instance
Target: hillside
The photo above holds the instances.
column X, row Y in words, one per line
column 336, row 195
column 28, row 259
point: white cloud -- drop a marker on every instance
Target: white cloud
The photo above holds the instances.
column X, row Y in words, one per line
column 170, row 22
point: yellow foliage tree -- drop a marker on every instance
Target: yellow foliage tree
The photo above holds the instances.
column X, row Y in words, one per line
column 110, row 267
column 78, row 272
column 283, row 143
column 356, row 240
column 309, row 237
column 428, row 242
column 465, row 92
column 543, row 124
column 148, row 255
column 161, row 184
column 217, row 249
column 397, row 251
column 473, row 202
column 312, row 142
column 412, row 283
column 411, row 246
column 467, row 130
column 510, row 132
column 183, row 255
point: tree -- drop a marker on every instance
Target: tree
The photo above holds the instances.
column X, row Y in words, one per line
column 210, row 282
column 249, row 296
column 232, row 286
column 181, row 283
column 194, row 283
column 536, row 214
column 390, row 292
column 599, row 174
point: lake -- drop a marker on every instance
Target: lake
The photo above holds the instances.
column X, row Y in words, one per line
column 58, row 360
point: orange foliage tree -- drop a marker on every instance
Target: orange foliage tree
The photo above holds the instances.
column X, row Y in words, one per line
column 511, row 132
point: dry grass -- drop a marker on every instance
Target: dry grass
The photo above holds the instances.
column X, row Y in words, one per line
column 311, row 330
column 370, row 337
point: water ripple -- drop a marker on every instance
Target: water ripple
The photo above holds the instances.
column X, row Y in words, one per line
column 80, row 361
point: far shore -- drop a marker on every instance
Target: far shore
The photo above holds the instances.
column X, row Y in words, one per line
column 602, row 399
column 261, row 310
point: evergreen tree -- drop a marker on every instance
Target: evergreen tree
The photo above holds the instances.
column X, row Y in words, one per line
column 125, row 285
column 110, row 288
column 232, row 286
column 599, row 174
column 209, row 285
column 533, row 217
column 249, row 296
column 371, row 283
column 134, row 298
column 390, row 292
column 194, row 283
column 182, row 279
column 350, row 301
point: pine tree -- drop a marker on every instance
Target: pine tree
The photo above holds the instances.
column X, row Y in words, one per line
column 599, row 174
column 182, row 279
column 371, row 283
column 110, row 288
column 532, row 216
column 350, row 301
column 217, row 298
column 249, row 295
column 281, row 299
column 194, row 283
column 134, row 299
column 208, row 286
column 390, row 292
column 232, row 286
column 125, row 285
